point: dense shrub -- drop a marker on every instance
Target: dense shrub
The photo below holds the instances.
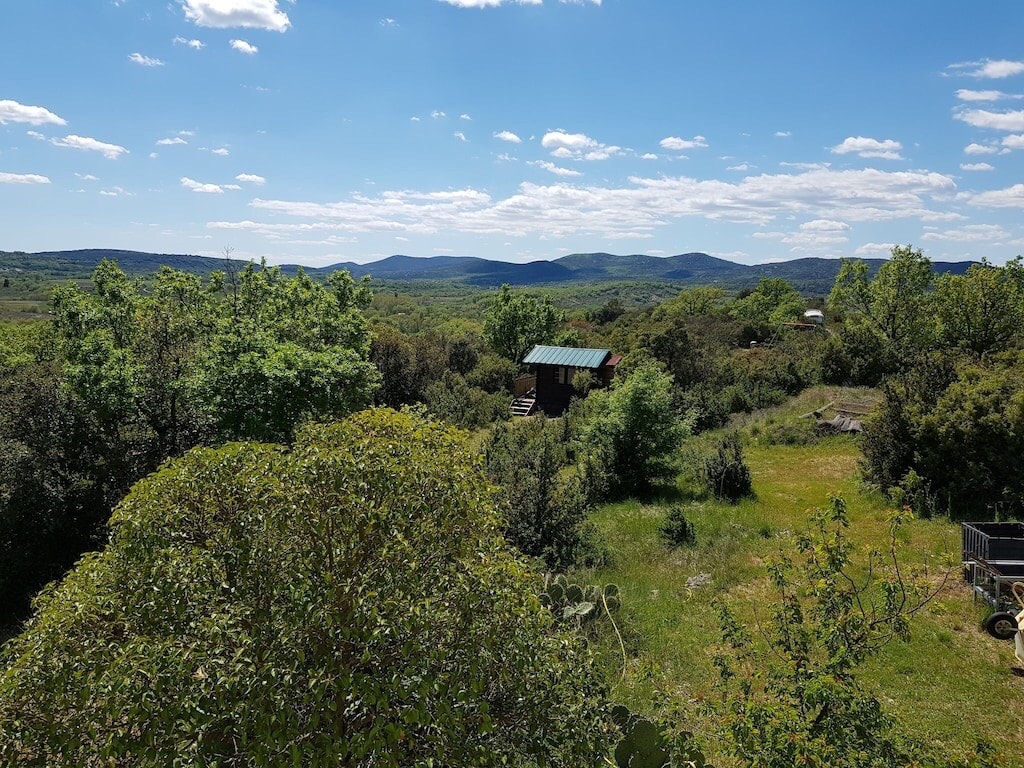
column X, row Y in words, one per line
column 726, row 474
column 349, row 601
column 677, row 530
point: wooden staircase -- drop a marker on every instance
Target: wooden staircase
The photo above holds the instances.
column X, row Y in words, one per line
column 525, row 404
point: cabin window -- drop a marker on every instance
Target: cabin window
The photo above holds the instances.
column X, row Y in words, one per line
column 565, row 375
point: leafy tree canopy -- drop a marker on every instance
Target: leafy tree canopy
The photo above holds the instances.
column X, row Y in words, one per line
column 347, row 601
column 516, row 321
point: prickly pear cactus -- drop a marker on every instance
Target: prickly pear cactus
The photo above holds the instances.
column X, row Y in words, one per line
column 645, row 745
column 578, row 603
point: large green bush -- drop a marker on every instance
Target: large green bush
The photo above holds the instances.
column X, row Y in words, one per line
column 347, row 601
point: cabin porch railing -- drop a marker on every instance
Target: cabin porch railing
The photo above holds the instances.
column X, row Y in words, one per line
column 523, row 384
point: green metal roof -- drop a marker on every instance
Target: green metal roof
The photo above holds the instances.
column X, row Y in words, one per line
column 571, row 357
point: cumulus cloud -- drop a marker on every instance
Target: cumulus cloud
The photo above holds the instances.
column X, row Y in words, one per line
column 437, row 114
column 1014, row 141
column 641, row 205
column 872, row 249
column 677, row 144
column 508, row 136
column 862, row 146
column 976, row 167
column 965, row 94
column 197, row 45
column 35, row 135
column 825, row 225
column 460, row 136
column 1000, row 121
column 648, row 156
column 465, row 116
column 740, row 167
column 109, row 151
column 221, row 151
column 251, row 178
column 571, row 142
column 783, row 134
column 1011, row 197
column 13, row 112
column 989, row 68
column 86, row 177
column 243, row 46
column 171, row 142
column 198, row 186
column 969, row 233
column 564, row 146
column 145, row 61
column 226, row 14
column 980, row 149
column 22, row 178
column 552, row 168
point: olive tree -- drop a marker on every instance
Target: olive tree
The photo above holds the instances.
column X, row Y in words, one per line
column 347, row 601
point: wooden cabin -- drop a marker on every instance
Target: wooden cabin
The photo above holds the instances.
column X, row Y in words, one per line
column 549, row 387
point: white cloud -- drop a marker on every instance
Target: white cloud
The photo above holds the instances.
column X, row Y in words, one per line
column 388, row 22
column 870, row 249
column 1000, row 121
column 225, row 14
column 35, row 135
column 13, row 112
column 641, row 205
column 570, row 142
column 508, row 136
column 1011, row 197
column 115, row 192
column 1014, row 141
column 505, row 157
column 490, row 3
column 414, row 119
column 825, row 225
column 22, row 178
column 242, row 46
column 460, row 136
column 464, row 116
column 649, row 156
column 552, row 168
column 677, row 144
column 86, row 177
column 221, row 151
column 969, row 233
column 197, row 45
column 109, row 151
column 979, row 149
column 965, row 94
column 171, row 142
column 976, row 167
column 145, row 61
column 992, row 69
column 153, row 155
column 198, row 186
column 783, row 134
column 862, row 146
column 740, row 167
column 251, row 178
column 437, row 114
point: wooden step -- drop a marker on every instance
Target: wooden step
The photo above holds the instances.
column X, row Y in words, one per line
column 523, row 406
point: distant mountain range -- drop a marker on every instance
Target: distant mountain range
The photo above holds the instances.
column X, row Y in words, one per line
column 810, row 276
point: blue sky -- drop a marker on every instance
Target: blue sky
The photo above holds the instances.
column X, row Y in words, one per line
column 316, row 131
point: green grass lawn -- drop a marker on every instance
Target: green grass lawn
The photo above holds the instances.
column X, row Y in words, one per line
column 951, row 684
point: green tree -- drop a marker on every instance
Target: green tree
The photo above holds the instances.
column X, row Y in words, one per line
column 631, row 432
column 516, row 321
column 799, row 701
column 893, row 308
column 347, row 601
column 982, row 310
column 544, row 509
column 772, row 303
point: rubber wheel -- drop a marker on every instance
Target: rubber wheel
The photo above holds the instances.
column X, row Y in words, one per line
column 1001, row 625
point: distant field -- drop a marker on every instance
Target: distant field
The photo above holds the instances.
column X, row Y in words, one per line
column 951, row 684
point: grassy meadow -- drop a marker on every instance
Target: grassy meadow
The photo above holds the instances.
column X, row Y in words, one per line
column 951, row 684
